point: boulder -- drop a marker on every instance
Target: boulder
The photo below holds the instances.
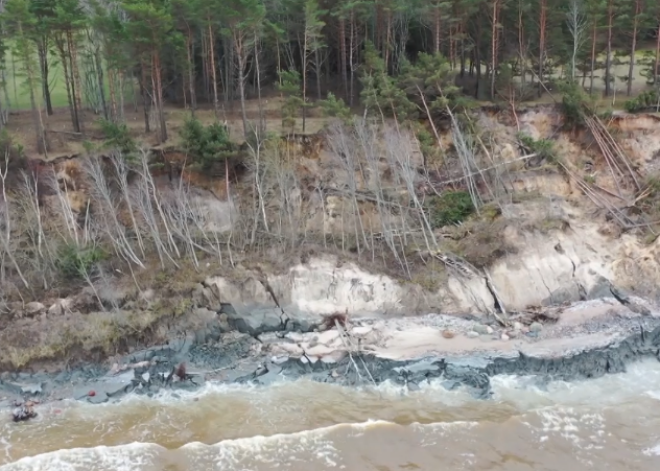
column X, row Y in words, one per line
column 536, row 327
column 204, row 297
column 24, row 412
column 481, row 329
column 570, row 293
column 34, row 308
column 258, row 321
column 60, row 307
column 601, row 289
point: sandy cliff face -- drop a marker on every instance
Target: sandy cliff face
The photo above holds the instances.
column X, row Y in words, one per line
column 547, row 244
column 566, row 246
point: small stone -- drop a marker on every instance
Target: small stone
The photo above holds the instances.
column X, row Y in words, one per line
column 505, row 337
column 513, row 334
column 91, row 393
column 480, row 329
column 489, row 329
column 517, row 326
column 31, row 389
column 472, row 334
column 448, row 334
column 532, row 334
column 536, row 327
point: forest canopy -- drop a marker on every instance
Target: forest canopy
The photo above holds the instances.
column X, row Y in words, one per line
column 396, row 57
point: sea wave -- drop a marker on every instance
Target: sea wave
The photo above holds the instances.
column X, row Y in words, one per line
column 129, row 457
column 285, row 450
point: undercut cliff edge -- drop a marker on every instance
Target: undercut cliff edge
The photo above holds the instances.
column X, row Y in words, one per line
column 590, row 339
column 555, row 278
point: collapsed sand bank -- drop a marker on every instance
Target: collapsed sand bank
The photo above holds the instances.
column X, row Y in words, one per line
column 589, row 339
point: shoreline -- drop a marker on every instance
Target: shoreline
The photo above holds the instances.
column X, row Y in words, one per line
column 590, row 339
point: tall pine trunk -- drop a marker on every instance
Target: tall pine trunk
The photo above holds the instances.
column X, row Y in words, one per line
column 191, row 73
column 342, row 54
column 388, row 37
column 304, row 83
column 633, row 48
column 522, row 53
column 146, row 101
column 240, row 56
column 75, row 75
column 120, row 83
column 351, row 52
column 206, row 83
column 437, row 17
column 100, row 80
column 68, row 84
column 656, row 69
column 158, row 95
column 113, row 94
column 477, row 58
column 494, row 47
column 216, row 107
column 317, row 69
column 594, row 39
column 43, row 63
column 608, row 59
column 42, row 144
column 262, row 115
column 543, row 23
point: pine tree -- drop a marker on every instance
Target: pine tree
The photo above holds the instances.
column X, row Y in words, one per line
column 243, row 19
column 149, row 28
column 22, row 26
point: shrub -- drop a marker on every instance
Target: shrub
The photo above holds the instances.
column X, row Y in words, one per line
column 428, row 145
column 207, row 145
column 74, row 262
column 16, row 161
column 574, row 103
column 117, row 136
column 336, row 108
column 293, row 102
column 543, row 148
column 645, row 101
column 482, row 243
column 451, row 207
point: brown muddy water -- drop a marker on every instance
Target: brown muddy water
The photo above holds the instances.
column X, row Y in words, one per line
column 610, row 423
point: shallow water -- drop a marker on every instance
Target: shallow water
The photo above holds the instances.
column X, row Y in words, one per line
column 611, row 423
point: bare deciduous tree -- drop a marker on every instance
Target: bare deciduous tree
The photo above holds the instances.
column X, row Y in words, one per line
column 577, row 24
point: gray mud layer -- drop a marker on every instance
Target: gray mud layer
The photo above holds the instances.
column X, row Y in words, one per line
column 587, row 342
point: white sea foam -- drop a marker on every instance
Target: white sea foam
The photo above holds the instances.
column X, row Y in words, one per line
column 584, row 430
column 130, row 457
column 653, row 451
column 528, row 393
column 315, row 447
column 653, row 394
